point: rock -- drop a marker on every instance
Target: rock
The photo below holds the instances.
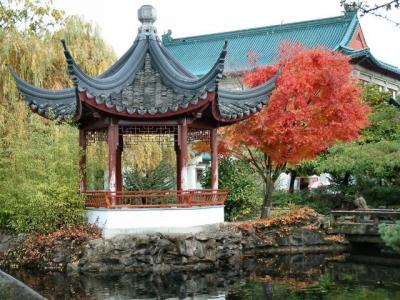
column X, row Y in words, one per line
column 185, row 247
column 59, row 256
column 11, row 288
column 302, row 237
column 202, row 237
column 8, row 242
column 73, row 266
column 126, row 260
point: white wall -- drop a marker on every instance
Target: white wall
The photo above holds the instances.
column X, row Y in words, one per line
column 283, row 181
column 192, row 177
column 148, row 220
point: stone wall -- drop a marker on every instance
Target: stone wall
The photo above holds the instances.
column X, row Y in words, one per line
column 162, row 253
column 223, row 248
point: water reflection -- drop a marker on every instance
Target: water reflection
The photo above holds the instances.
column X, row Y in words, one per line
column 283, row 277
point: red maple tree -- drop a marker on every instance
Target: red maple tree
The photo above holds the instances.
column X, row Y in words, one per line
column 316, row 103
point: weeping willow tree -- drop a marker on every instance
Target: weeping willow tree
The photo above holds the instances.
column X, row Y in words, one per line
column 149, row 166
column 146, row 165
column 39, row 158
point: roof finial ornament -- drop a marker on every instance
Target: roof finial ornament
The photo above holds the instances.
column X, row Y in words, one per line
column 147, row 15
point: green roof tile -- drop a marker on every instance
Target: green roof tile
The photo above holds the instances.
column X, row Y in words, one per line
column 197, row 53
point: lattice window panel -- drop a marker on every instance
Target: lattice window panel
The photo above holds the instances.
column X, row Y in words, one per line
column 93, row 136
column 163, row 135
column 134, row 135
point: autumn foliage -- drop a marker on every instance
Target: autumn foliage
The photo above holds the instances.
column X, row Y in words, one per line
column 316, row 102
column 39, row 249
column 297, row 218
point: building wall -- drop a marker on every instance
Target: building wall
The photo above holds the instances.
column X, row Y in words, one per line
column 386, row 83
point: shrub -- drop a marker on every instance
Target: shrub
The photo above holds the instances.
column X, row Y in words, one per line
column 378, row 195
column 162, row 177
column 390, row 234
column 244, row 197
column 322, row 200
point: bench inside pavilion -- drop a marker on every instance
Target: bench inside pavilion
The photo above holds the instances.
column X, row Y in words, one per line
column 148, row 93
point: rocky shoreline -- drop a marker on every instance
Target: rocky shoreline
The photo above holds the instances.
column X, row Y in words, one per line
column 222, row 249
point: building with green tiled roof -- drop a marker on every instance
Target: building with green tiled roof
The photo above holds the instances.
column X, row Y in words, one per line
column 260, row 46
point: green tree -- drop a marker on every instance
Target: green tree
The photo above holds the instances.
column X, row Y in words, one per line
column 374, row 159
column 29, row 16
column 38, row 158
column 240, row 180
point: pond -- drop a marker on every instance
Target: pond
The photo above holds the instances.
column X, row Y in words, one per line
column 280, row 277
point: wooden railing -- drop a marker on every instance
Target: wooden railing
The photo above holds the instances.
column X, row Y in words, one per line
column 148, row 199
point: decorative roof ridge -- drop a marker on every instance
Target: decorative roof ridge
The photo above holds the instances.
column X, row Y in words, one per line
column 110, row 83
column 174, row 74
column 351, row 28
column 170, row 74
column 257, row 30
column 179, row 67
column 120, row 62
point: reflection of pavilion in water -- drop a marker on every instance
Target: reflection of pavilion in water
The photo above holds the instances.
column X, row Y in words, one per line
column 147, row 94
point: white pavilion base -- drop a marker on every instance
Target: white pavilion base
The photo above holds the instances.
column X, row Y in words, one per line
column 150, row 220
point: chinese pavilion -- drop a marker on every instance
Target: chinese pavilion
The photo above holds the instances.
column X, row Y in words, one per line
column 148, row 93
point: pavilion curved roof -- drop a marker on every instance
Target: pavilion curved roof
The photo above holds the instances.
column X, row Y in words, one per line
column 61, row 104
column 146, row 82
column 233, row 105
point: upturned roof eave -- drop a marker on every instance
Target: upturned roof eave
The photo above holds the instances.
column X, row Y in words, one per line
column 59, row 104
column 235, row 106
column 366, row 55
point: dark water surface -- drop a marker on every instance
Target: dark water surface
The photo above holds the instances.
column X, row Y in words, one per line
column 281, row 277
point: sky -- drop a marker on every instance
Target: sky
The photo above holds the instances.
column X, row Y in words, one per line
column 117, row 19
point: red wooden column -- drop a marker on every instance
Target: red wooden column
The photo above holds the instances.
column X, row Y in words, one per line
column 182, row 161
column 178, row 166
column 119, row 162
column 113, row 149
column 82, row 160
column 214, row 158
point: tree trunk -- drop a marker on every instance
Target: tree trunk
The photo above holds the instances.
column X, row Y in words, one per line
column 267, row 203
column 292, row 180
column 346, row 179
